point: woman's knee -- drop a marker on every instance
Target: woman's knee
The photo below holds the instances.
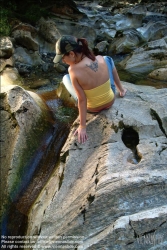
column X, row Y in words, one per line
column 66, row 79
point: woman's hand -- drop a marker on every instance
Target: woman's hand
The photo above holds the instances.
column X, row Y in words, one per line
column 82, row 135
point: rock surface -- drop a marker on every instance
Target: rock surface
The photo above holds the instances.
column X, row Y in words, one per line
column 159, row 74
column 111, row 191
column 23, row 125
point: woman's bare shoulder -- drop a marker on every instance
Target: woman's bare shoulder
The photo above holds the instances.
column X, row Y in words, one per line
column 99, row 57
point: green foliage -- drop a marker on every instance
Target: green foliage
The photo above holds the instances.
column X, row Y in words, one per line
column 4, row 25
column 5, row 28
column 26, row 11
column 33, row 13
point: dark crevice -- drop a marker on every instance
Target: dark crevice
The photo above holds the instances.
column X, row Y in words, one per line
column 83, row 212
column 106, row 143
column 90, row 198
column 162, row 223
column 130, row 243
column 145, row 234
column 64, row 156
column 155, row 116
column 96, row 181
column 162, row 150
column 39, row 231
column 131, row 139
column 61, row 181
column 95, row 174
column 135, row 234
column 96, row 171
column 149, row 232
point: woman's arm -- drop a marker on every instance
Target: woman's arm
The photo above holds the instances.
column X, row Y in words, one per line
column 82, row 106
column 122, row 90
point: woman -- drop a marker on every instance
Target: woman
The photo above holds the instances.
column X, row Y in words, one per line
column 90, row 78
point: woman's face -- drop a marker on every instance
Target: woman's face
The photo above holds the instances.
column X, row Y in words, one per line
column 69, row 59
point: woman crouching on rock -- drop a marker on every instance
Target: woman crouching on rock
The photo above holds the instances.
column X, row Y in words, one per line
column 90, row 80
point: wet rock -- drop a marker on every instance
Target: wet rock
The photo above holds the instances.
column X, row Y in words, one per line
column 23, row 122
column 64, row 95
column 128, row 21
column 153, row 30
column 138, row 9
column 37, row 83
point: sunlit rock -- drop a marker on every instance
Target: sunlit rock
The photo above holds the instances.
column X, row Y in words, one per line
column 159, row 74
column 104, row 197
column 6, row 62
column 6, row 47
column 10, row 76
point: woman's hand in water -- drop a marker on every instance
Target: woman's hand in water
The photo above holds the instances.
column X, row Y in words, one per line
column 82, row 135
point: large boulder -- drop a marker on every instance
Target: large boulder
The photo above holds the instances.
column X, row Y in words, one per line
column 146, row 58
column 25, row 39
column 27, row 57
column 24, row 122
column 129, row 41
column 110, row 193
column 153, row 30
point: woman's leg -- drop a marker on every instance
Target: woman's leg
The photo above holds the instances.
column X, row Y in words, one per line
column 122, row 90
column 68, row 84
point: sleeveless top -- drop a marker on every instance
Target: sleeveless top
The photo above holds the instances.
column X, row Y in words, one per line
column 100, row 95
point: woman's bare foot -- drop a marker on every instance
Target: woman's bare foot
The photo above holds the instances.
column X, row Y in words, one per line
column 123, row 93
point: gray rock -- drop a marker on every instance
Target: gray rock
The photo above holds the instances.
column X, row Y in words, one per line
column 102, row 198
column 6, row 62
column 102, row 46
column 48, row 30
column 153, row 30
column 128, row 42
column 147, row 58
column 6, row 47
column 22, row 126
column 159, row 74
column 10, row 76
column 25, row 39
column 24, row 56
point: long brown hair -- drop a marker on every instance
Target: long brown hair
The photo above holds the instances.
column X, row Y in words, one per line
column 83, row 48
